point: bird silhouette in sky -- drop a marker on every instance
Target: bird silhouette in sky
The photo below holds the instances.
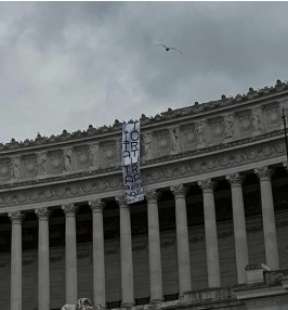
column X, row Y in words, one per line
column 170, row 48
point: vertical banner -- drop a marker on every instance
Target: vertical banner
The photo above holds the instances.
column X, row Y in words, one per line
column 131, row 161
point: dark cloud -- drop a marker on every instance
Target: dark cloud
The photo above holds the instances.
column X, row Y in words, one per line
column 66, row 65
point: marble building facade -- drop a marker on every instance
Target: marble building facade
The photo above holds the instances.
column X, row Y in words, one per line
column 211, row 234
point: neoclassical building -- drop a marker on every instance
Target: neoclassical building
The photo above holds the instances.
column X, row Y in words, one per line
column 212, row 232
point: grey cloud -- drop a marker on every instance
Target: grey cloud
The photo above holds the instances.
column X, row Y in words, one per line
column 66, row 65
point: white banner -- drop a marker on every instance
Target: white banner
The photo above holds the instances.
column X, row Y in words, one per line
column 131, row 161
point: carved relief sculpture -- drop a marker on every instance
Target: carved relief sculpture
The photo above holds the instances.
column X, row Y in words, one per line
column 161, row 143
column 55, row 162
column 229, row 126
column 42, row 160
column 257, row 120
column 272, row 116
column 29, row 165
column 216, row 129
column 67, row 159
column 16, row 164
column 108, row 154
column 175, row 143
column 188, row 136
column 82, row 157
column 94, row 151
column 244, row 123
column 147, row 146
column 5, row 169
column 200, row 133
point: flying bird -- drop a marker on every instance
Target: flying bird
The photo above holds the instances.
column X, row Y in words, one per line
column 170, row 48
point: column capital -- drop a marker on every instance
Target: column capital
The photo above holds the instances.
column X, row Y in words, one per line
column 69, row 209
column 42, row 213
column 121, row 201
column 234, row 179
column 16, row 216
column 96, row 205
column 178, row 190
column 264, row 173
column 206, row 185
column 151, row 196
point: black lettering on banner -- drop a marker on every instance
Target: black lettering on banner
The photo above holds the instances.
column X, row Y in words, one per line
column 131, row 161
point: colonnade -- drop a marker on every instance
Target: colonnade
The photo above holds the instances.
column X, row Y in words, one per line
column 155, row 269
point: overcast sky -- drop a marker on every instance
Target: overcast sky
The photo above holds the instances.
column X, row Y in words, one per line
column 68, row 65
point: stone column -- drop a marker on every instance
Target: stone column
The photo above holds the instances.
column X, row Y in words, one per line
column 183, row 252
column 268, row 217
column 43, row 259
column 16, row 261
column 127, row 281
column 240, row 235
column 70, row 254
column 212, row 252
column 98, row 253
column 155, row 268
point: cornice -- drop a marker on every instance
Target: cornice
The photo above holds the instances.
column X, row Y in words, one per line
column 165, row 118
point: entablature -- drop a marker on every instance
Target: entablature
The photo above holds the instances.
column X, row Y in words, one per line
column 171, row 141
column 191, row 169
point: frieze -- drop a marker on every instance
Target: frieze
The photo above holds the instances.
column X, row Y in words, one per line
column 201, row 133
column 29, row 166
column 16, row 167
column 271, row 116
column 257, row 121
column 175, row 140
column 216, row 127
column 229, row 129
column 94, row 155
column 56, row 163
column 5, row 169
column 109, row 155
column 192, row 167
column 158, row 145
column 215, row 162
column 67, row 159
column 82, row 157
column 146, row 145
column 161, row 142
column 60, row 191
column 217, row 147
column 244, row 122
column 42, row 163
column 99, row 160
column 188, row 137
